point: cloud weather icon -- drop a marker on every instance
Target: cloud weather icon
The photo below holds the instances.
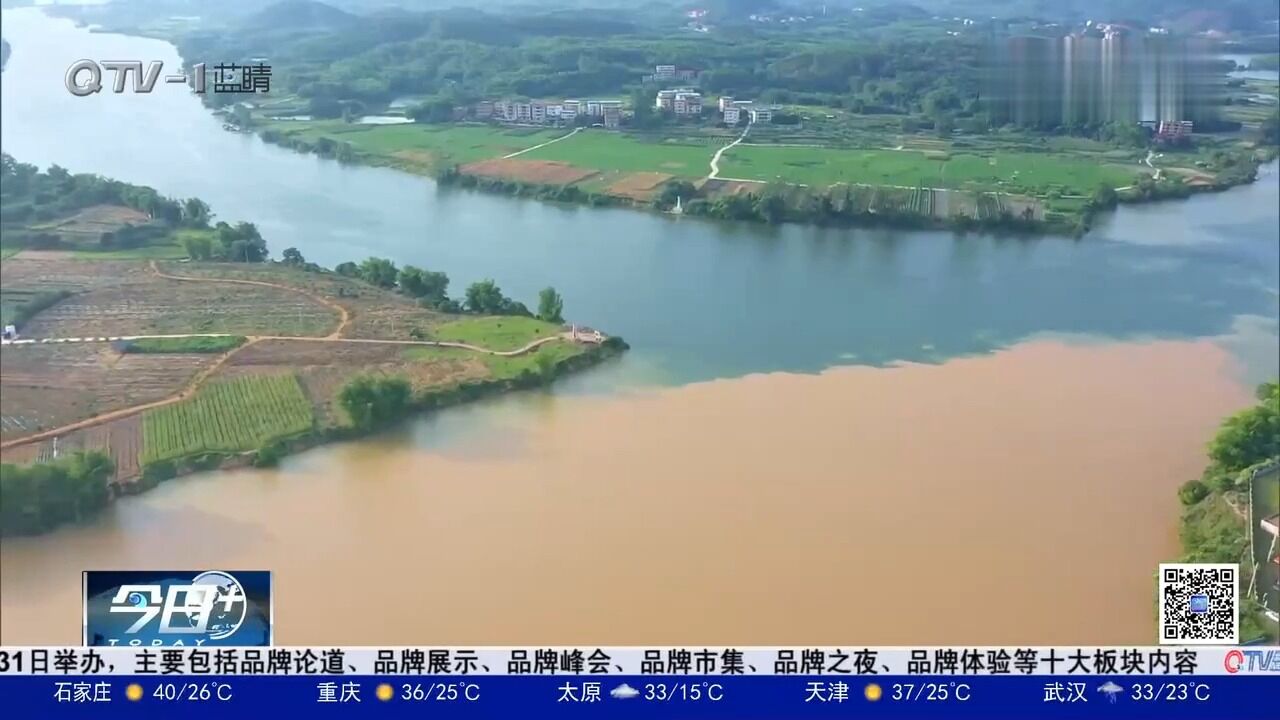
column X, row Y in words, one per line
column 1111, row 689
column 624, row 692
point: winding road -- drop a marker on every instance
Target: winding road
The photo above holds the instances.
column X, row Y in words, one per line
column 715, row 159
column 549, row 142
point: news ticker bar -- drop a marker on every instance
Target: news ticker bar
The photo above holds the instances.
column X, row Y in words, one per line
column 638, row 661
column 738, row 697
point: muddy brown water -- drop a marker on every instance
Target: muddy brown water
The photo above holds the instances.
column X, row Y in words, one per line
column 1024, row 496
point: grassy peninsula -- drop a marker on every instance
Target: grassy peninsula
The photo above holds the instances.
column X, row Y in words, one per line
column 152, row 341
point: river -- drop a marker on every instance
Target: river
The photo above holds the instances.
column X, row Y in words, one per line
column 821, row 435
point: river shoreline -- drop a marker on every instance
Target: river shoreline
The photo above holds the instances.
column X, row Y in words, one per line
column 998, row 222
column 423, row 404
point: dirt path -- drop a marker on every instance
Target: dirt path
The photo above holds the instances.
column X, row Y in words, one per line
column 204, row 375
column 185, row 393
column 518, row 153
column 345, row 317
column 715, row 159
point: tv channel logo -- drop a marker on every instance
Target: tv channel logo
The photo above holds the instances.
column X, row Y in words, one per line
column 177, row 608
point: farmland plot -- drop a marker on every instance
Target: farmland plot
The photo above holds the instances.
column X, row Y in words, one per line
column 157, row 306
column 375, row 313
column 45, row 386
column 227, row 416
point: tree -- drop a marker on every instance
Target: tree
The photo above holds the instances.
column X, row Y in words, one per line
column 550, row 305
column 546, row 364
column 241, row 243
column 292, row 256
column 195, row 213
column 1269, row 128
column 379, row 271
column 425, row 284
column 371, row 401
column 1251, row 435
column 1104, row 197
column 347, row 269
column 484, row 296
column 198, row 245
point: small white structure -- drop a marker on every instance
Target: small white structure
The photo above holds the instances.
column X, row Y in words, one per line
column 585, row 334
column 10, row 332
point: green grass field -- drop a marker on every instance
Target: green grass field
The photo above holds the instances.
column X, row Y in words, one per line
column 599, row 150
column 227, row 416
column 999, row 171
column 185, row 345
column 441, row 143
column 171, row 251
column 500, row 366
column 507, row 332
column 510, row 366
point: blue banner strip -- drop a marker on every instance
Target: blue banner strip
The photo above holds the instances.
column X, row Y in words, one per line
column 738, row 697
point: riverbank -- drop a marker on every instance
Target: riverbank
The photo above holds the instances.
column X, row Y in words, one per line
column 240, row 364
column 1223, row 511
column 544, row 493
column 1019, row 191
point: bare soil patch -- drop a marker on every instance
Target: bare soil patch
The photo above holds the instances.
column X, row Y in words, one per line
column 638, row 186
column 544, row 172
column 40, row 270
column 375, row 313
column 719, row 188
column 45, row 386
column 121, row 439
column 325, row 367
column 95, row 220
column 146, row 304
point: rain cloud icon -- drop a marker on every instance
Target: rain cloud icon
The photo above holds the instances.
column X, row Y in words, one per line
column 1110, row 689
column 624, row 692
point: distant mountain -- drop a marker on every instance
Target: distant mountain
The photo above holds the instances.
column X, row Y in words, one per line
column 301, row 14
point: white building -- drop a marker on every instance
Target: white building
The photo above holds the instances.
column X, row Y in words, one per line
column 688, row 103
column 593, row 108
column 664, row 72
column 732, row 115
column 538, row 112
column 569, row 110
column 725, row 103
column 761, row 115
column 611, row 111
column 665, row 100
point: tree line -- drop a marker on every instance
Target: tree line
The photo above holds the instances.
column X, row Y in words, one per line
column 37, row 498
column 29, row 196
column 431, row 288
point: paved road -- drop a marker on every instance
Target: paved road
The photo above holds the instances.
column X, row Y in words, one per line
column 549, row 142
column 715, row 160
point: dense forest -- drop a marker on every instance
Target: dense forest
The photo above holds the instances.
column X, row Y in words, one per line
column 38, row 498
column 33, row 202
column 336, row 61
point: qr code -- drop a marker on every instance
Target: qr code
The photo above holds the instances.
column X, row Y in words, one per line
column 1199, row 604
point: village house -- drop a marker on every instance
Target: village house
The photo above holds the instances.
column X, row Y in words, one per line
column 688, row 103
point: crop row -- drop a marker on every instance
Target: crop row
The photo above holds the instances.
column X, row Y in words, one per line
column 228, row 416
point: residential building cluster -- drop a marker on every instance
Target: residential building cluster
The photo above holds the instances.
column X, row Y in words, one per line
column 1102, row 74
column 684, row 102
column 539, row 112
column 670, row 73
column 734, row 111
